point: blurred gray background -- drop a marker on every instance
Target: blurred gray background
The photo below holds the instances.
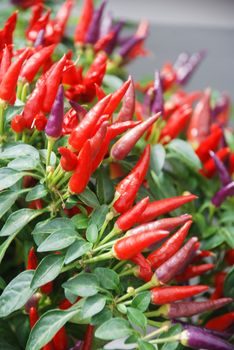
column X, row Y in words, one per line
column 186, row 25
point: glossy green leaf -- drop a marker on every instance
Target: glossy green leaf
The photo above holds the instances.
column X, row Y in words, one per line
column 8, row 177
column 92, row 233
column 48, row 325
column 60, row 239
column 16, row 293
column 99, row 215
column 18, row 220
column 48, row 269
column 80, row 221
column 76, row 250
column 183, row 151
column 92, row 306
column 89, row 198
column 38, row 191
column 23, row 163
column 105, row 187
column 137, row 318
column 108, row 279
column 143, row 345
column 157, row 160
column 7, row 199
column 229, row 284
column 114, row 328
column 83, row 285
column 101, row 317
column 142, row 301
column 19, row 150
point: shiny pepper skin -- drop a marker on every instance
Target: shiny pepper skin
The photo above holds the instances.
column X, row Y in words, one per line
column 33, row 316
column 143, row 269
column 68, row 160
column 221, row 323
column 32, row 260
column 60, row 340
column 18, row 123
column 127, row 189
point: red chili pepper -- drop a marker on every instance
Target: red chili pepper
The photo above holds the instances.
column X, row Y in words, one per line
column 97, row 139
column 202, row 254
column 88, row 339
column 36, row 14
column 163, row 206
column 80, row 177
column 53, row 81
column 163, row 295
column 48, row 346
column 102, row 119
column 102, row 43
column 162, row 224
column 85, row 128
column 125, row 144
column 219, row 285
column 65, row 304
column 194, row 271
column 99, row 92
column 9, row 81
column 68, row 160
column 72, row 75
column 128, row 107
column 18, row 123
column 199, row 126
column 70, row 121
column 40, row 121
column 129, row 218
column 9, row 28
column 209, row 167
column 209, row 144
column 33, row 316
column 60, row 340
column 221, row 323
column 229, row 257
column 117, row 97
column 176, row 123
column 177, row 262
column 116, row 170
column 128, row 247
column 84, row 22
column 36, row 204
column 32, row 259
column 35, row 62
column 47, row 288
column 168, row 75
column 170, row 247
column 127, row 189
column 143, row 270
column 40, row 24
column 96, row 71
column 34, row 103
column 63, row 14
column 5, row 62
column 188, row 309
column 231, row 164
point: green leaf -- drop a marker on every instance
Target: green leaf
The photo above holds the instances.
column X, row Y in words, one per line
column 114, row 328
column 2, row 283
column 60, row 239
column 48, row 269
column 43, row 154
column 183, row 151
column 92, row 233
column 16, row 293
column 112, row 81
column 93, row 305
column 212, row 242
column 99, row 215
column 48, row 325
column 77, row 249
column 83, row 285
column 101, row 317
column 228, row 234
column 80, row 221
column 38, row 191
column 105, row 187
column 19, row 150
column 229, row 284
column 18, row 220
column 142, row 301
column 108, row 279
column 7, row 199
column 11, row 111
column 143, row 345
column 172, row 331
column 89, row 198
column 158, row 155
column 8, row 177
column 137, row 318
column 23, row 163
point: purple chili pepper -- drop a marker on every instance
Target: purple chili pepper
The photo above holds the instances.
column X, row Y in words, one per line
column 181, row 60
column 40, row 38
column 129, row 45
column 112, row 44
column 55, row 122
column 222, row 171
column 176, row 263
column 121, row 41
column 94, row 27
column 185, row 325
column 128, row 107
column 191, row 308
column 158, row 102
column 106, row 24
column 77, row 346
column 147, row 103
column 185, row 71
column 33, row 301
column 81, row 111
column 198, row 338
column 221, row 195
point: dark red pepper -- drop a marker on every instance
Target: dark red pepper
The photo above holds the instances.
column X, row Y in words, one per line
column 60, row 340
column 221, row 323
column 143, row 270
column 88, row 339
column 18, row 123
column 84, row 21
column 194, row 271
column 68, row 160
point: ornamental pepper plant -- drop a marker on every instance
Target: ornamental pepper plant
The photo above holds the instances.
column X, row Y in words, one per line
column 116, row 196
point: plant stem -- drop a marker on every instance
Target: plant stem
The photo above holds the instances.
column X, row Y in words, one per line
column 2, row 108
column 33, row 136
column 105, row 256
column 127, row 272
column 167, row 339
column 164, row 328
column 103, row 246
column 110, row 235
column 24, row 92
column 120, row 263
column 146, row 286
column 50, row 145
column 109, row 217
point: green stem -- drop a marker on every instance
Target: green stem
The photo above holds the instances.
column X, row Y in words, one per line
column 24, row 92
column 2, row 108
column 57, row 176
column 109, row 217
column 154, row 323
column 120, row 264
column 17, row 136
column 162, row 329
column 19, row 89
column 24, row 137
column 33, row 136
column 152, row 283
column 105, row 256
column 127, row 272
column 110, row 235
column 103, row 246
column 38, row 177
column 167, row 339
column 50, row 146
column 63, row 180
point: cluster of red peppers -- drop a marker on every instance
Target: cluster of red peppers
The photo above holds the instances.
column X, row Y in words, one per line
column 159, row 251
